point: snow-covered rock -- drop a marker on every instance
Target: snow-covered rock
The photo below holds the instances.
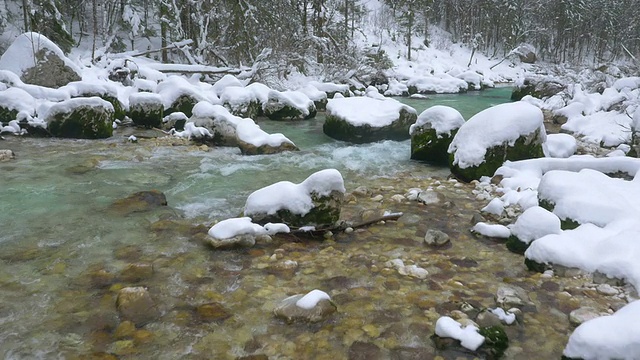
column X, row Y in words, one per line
column 318, row 97
column 240, row 232
column 311, row 307
column 254, row 141
column 436, row 84
column 367, row 119
column 512, row 131
column 218, row 120
column 433, row 132
column 178, row 95
column 314, row 202
column 37, row 60
column 331, row 89
column 146, row 109
column 561, row 145
column 468, row 336
column 241, row 101
column 532, row 224
column 81, row 118
column 14, row 100
column 288, row 105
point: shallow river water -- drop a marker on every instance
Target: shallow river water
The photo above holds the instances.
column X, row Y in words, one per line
column 65, row 253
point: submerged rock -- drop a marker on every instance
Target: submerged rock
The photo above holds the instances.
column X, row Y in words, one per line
column 139, row 202
column 6, row 155
column 436, row 238
column 136, row 305
column 312, row 307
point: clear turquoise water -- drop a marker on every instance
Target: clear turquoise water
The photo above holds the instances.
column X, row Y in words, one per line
column 54, row 198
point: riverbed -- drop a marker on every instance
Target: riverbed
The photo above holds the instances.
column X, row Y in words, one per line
column 65, row 254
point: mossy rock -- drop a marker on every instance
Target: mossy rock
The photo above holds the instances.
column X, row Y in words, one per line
column 250, row 110
column 521, row 91
column 7, row 114
column 496, row 341
column 287, row 112
column 516, row 246
column 533, row 265
column 147, row 115
column 250, row 149
column 565, row 224
column 324, row 214
column 340, row 129
column 526, row 147
column 82, row 122
column 321, row 105
column 184, row 104
column 546, row 204
column 429, row 147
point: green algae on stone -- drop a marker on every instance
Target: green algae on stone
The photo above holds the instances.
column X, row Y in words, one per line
column 183, row 103
column 516, row 246
column 495, row 341
column 81, row 118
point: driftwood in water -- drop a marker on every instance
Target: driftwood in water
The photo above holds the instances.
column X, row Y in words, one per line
column 343, row 225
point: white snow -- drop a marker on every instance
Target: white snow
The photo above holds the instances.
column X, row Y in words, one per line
column 439, row 83
column 534, row 223
column 360, row 111
column 494, row 207
column 499, row 124
column 330, row 87
column 296, row 198
column 295, row 99
column 71, row 104
column 468, row 336
column 145, row 98
column 20, row 55
column 492, row 230
column 17, row 99
column 312, row 298
column 248, row 131
column 233, row 227
column 608, row 337
column 561, row 145
column 507, row 318
column 443, row 119
column 191, row 131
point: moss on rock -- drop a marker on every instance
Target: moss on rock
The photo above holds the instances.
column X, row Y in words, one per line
column 7, row 114
column 325, row 213
column 516, row 246
column 533, row 265
column 496, row 341
column 428, row 146
column 184, row 104
column 147, row 115
column 340, row 129
column 250, row 149
column 82, row 122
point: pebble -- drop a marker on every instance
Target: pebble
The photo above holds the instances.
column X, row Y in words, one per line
column 436, row 238
column 398, row 198
column 606, row 289
column 377, row 198
column 578, row 316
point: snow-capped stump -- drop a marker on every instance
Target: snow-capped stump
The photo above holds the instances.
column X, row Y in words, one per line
column 146, row 109
column 241, row 233
column 332, row 89
column 80, row 118
column 607, row 337
column 513, row 131
column 433, row 132
column 254, row 141
column 532, row 224
column 104, row 91
column 437, row 84
column 312, row 307
column 314, row 202
column 14, row 100
column 241, row 102
column 37, row 60
column 288, row 105
column 365, row 119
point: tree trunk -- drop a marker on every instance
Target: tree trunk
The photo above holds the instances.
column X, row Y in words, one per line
column 25, row 14
column 164, row 29
column 94, row 13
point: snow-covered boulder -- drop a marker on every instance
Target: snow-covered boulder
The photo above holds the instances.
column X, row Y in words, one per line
column 81, row 118
column 37, row 60
column 178, row 95
column 366, row 119
column 561, row 145
column 288, row 105
column 437, row 84
column 433, row 132
column 538, row 87
column 314, row 202
column 175, row 120
column 332, row 89
column 513, row 131
column 226, row 82
column 532, row 224
column 14, row 100
column 314, row 306
column 241, row 101
column 146, row 109
column 254, row 141
column 218, row 120
column 318, row 97
column 102, row 90
column 525, row 52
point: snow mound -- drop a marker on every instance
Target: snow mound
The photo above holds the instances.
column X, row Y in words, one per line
column 312, row 298
column 359, row 111
column 437, row 84
column 534, row 223
column 561, row 145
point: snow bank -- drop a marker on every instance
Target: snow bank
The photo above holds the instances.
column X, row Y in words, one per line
column 442, row 119
column 499, row 124
column 608, row 337
column 295, row 198
column 359, row 111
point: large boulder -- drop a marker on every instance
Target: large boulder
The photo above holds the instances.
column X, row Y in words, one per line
column 81, row 118
column 241, row 102
column 104, row 91
column 254, row 141
column 146, row 109
column 538, row 87
column 314, row 202
column 433, row 132
column 288, row 105
column 218, row 120
column 525, row 52
column 38, row 61
column 513, row 131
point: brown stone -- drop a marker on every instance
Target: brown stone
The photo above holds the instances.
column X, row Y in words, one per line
column 124, row 330
column 136, row 272
column 139, row 202
column 135, row 304
column 212, row 312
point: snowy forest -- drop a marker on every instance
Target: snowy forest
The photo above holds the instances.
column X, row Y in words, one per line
column 307, row 33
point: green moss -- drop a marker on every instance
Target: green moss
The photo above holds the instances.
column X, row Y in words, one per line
column 496, row 341
column 146, row 115
column 289, row 113
column 7, row 114
column 568, row 224
column 533, row 265
column 522, row 91
column 546, row 204
column 82, row 123
column 524, row 148
column 184, row 104
column 325, row 214
column 427, row 146
column 516, row 246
